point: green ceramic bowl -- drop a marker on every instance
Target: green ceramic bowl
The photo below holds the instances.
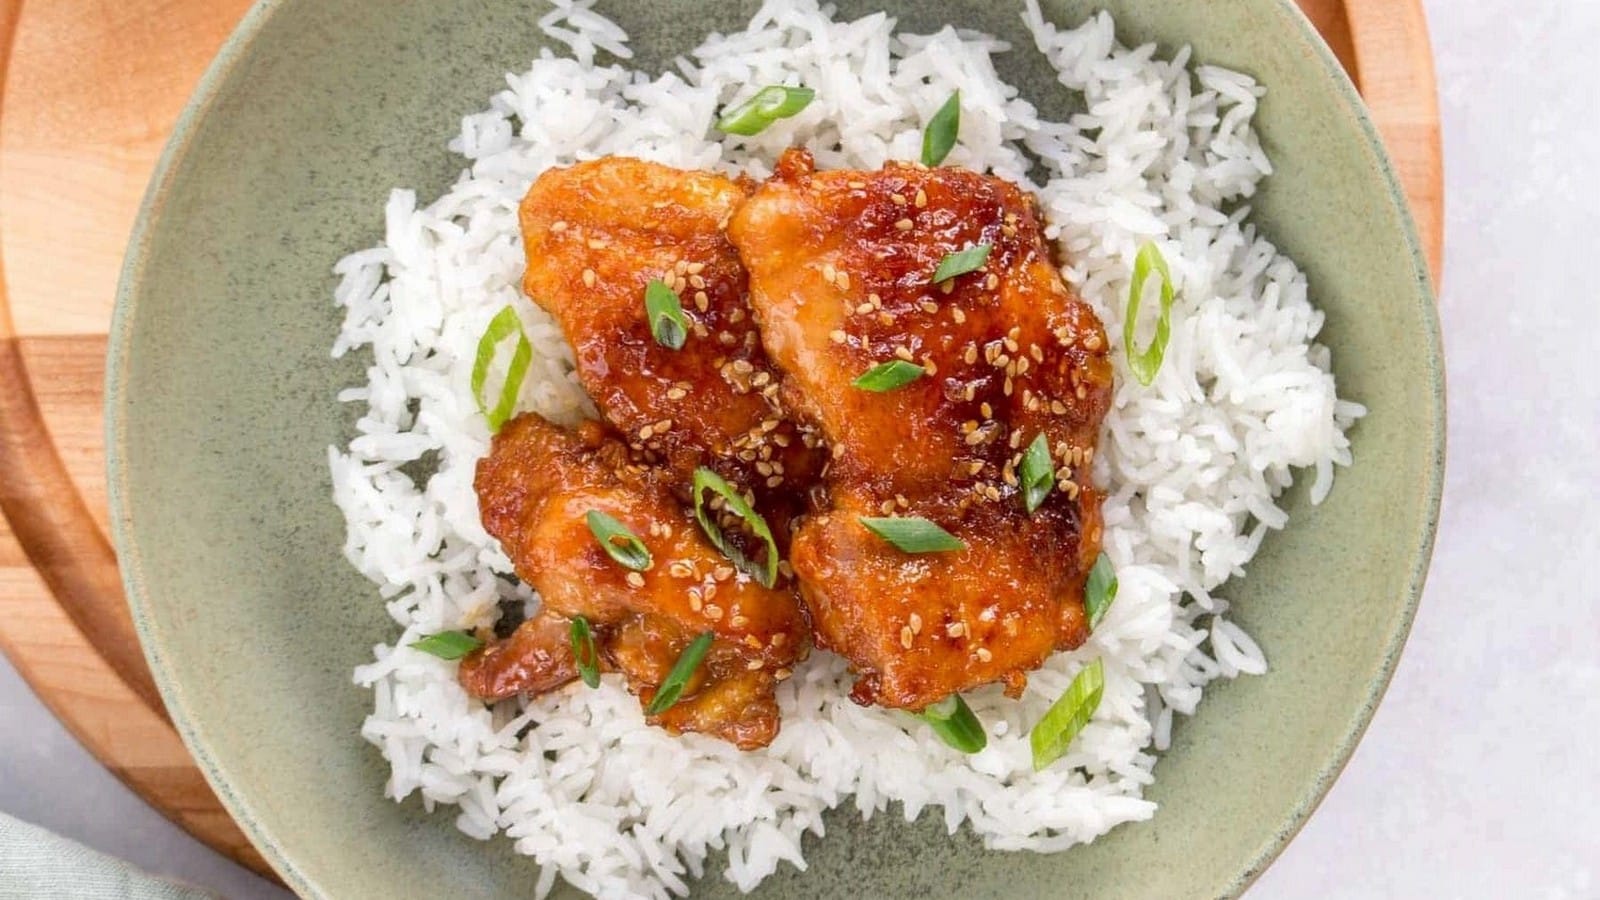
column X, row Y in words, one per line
column 221, row 408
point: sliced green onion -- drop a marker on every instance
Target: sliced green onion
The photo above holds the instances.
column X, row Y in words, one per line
column 620, row 544
column 704, row 480
column 672, row 688
column 667, row 324
column 583, row 652
column 1100, row 589
column 888, row 376
column 1146, row 364
column 956, row 724
column 448, row 644
column 1038, row 473
column 940, row 136
column 770, row 104
column 913, row 534
column 961, row 262
column 1067, row 716
column 503, row 325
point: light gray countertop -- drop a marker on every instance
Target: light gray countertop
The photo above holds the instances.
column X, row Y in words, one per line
column 1478, row 776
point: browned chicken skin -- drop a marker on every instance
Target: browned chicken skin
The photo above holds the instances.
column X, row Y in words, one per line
column 596, row 234
column 841, row 267
column 535, row 489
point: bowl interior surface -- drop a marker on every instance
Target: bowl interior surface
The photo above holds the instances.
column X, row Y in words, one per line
column 222, row 406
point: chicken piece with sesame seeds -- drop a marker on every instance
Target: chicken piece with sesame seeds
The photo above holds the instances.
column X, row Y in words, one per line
column 535, row 490
column 841, row 270
column 596, row 234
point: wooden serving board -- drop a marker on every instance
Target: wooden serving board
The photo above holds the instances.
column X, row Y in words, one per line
column 90, row 93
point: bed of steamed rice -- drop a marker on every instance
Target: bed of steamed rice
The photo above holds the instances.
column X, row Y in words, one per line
column 1193, row 463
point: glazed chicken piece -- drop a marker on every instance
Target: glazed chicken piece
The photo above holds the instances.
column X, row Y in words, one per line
column 841, row 274
column 596, row 234
column 535, row 489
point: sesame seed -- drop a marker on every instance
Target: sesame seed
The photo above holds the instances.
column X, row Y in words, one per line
column 713, row 612
column 695, row 603
column 975, row 438
column 774, row 481
column 901, row 501
column 743, row 367
column 837, row 336
column 1091, row 341
column 679, row 570
column 858, row 185
column 903, row 352
column 680, row 285
column 701, row 301
column 928, row 366
column 905, row 225
column 635, row 579
column 983, row 654
column 695, row 268
column 971, row 356
column 558, row 227
column 1070, row 487
column 922, row 198
column 739, row 621
column 697, row 282
column 647, row 432
column 875, row 300
column 1016, row 439
column 843, row 281
column 597, row 244
column 863, row 309
column 676, row 394
column 727, row 338
column 588, row 278
column 1036, row 353
column 886, row 318
column 975, row 467
column 1057, row 407
column 1008, row 387
column 992, row 282
column 782, row 674
column 969, row 426
column 754, row 665
column 955, row 629
column 899, row 199
column 915, row 623
column 986, row 410
column 829, row 273
column 905, row 637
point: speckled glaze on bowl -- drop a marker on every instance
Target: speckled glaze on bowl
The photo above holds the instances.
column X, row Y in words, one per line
column 221, row 408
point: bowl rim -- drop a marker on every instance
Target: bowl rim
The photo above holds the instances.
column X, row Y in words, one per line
column 130, row 562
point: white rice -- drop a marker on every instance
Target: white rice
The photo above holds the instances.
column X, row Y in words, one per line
column 1193, row 463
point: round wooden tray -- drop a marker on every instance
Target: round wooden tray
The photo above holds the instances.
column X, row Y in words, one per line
column 88, row 100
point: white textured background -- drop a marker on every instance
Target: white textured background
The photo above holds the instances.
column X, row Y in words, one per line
column 1480, row 776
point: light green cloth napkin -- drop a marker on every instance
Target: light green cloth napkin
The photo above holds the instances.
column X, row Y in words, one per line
column 35, row 863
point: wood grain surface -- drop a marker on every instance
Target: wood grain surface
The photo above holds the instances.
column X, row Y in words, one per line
column 89, row 91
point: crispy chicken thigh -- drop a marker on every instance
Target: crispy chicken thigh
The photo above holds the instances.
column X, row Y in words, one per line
column 841, row 270
column 596, row 234
column 535, row 489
